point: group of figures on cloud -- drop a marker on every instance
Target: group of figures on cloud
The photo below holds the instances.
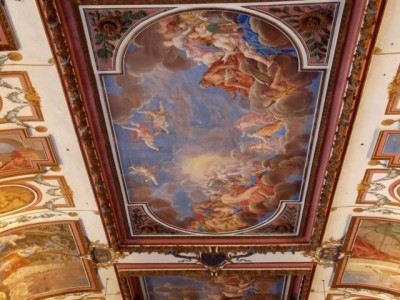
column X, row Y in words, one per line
column 243, row 54
column 237, row 195
column 248, row 193
column 238, row 207
column 256, row 66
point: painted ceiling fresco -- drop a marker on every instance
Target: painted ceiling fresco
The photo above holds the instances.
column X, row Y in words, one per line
column 206, row 116
column 287, row 282
column 216, row 116
column 223, row 150
column 218, row 287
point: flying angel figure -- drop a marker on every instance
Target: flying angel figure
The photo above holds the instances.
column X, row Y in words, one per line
column 251, row 120
column 159, row 118
column 149, row 174
column 143, row 132
column 267, row 132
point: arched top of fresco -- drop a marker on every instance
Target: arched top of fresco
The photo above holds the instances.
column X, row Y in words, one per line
column 308, row 27
column 186, row 28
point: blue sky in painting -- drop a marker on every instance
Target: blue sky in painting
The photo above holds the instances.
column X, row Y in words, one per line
column 137, row 153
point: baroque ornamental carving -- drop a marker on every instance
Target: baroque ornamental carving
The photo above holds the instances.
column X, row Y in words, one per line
column 327, row 253
column 19, row 101
column 214, row 260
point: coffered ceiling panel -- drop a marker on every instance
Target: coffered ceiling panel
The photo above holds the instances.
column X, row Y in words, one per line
column 210, row 122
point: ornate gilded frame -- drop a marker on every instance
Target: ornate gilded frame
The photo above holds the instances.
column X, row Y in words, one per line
column 76, row 78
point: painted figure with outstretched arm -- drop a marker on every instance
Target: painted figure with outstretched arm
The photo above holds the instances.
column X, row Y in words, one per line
column 159, row 118
column 147, row 173
column 144, row 133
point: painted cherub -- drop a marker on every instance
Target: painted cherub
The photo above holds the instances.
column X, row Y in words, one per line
column 147, row 173
column 143, row 132
column 159, row 118
column 251, row 120
column 267, row 132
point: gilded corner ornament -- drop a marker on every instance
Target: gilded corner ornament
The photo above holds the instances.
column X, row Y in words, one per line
column 327, row 254
column 104, row 256
column 213, row 260
column 33, row 97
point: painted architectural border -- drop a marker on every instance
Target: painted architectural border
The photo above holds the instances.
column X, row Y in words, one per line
column 393, row 189
column 36, row 165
